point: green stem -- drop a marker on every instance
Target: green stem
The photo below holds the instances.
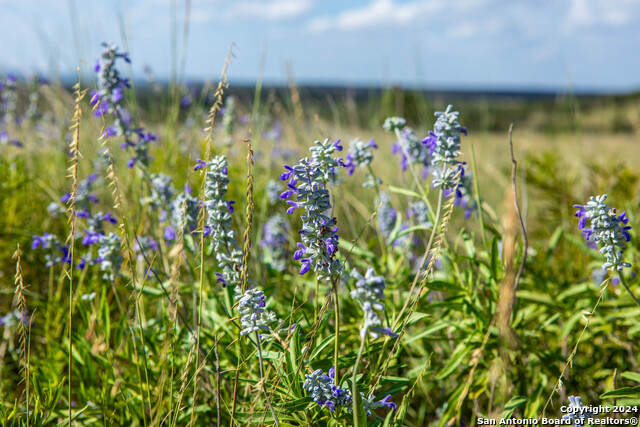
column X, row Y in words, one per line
column 357, row 401
column 336, row 348
column 624, row 283
column 424, row 257
column 315, row 306
column 50, row 304
column 411, row 166
column 263, row 381
column 381, row 241
column 476, row 189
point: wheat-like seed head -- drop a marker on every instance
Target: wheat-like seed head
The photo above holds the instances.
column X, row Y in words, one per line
column 249, row 217
column 447, row 209
column 21, row 306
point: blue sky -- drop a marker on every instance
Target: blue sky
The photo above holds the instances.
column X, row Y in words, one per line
column 454, row 44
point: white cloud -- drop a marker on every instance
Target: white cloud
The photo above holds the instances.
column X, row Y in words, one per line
column 610, row 13
column 273, row 10
column 392, row 12
column 376, row 13
column 468, row 29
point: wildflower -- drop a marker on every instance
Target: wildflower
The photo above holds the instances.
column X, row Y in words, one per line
column 88, row 297
column 308, row 181
column 369, row 290
column 359, row 155
column 273, row 191
column 393, row 123
column 408, row 145
column 444, row 147
column 251, row 306
column 576, row 413
column 109, row 256
column 390, row 223
column 608, row 229
column 274, row 241
column 52, row 245
column 228, row 119
column 370, row 404
column 418, row 210
column 325, row 392
column 275, row 133
column 55, row 209
column 463, row 197
column 219, row 222
column 169, row 234
column 162, row 191
column 110, row 99
column 145, row 243
column 387, row 216
column 15, row 317
column 85, row 196
column 184, row 212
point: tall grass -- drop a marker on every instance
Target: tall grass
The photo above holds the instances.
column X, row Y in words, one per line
column 485, row 319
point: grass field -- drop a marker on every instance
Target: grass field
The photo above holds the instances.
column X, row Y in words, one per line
column 134, row 293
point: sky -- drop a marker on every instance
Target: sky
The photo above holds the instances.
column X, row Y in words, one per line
column 582, row 45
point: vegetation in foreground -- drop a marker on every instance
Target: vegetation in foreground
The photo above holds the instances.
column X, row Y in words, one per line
column 203, row 262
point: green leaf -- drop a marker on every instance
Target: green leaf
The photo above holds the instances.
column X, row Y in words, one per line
column 325, row 342
column 512, row 405
column 554, row 240
column 544, row 299
column 426, row 332
column 633, row 392
column 294, row 357
column 568, row 327
column 442, row 286
column 454, row 361
column 633, row 376
column 358, row 251
column 495, row 257
column 403, row 191
column 412, row 229
column 298, row 404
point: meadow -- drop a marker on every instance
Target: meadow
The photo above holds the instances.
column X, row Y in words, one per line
column 179, row 257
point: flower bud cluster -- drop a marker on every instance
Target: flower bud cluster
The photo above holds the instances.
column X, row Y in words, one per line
column 325, row 392
column 109, row 98
column 418, row 212
column 308, row 182
column 359, row 155
column 84, row 196
column 273, row 191
column 369, row 290
column 219, row 222
column 409, row 147
column 255, row 317
column 370, row 404
column 576, row 413
column 463, row 197
column 444, row 146
column 92, row 236
column 387, row 216
column 181, row 210
column 8, row 110
column 274, row 242
column 51, row 244
column 162, row 191
column 228, row 118
column 608, row 229
column 391, row 124
column 184, row 212
column 109, row 255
